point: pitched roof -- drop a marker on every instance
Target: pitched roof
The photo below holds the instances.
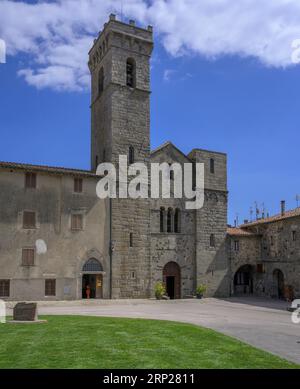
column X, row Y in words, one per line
column 166, row 144
column 288, row 214
column 46, row 169
column 234, row 231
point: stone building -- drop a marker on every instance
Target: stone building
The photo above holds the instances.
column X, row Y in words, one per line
column 59, row 240
column 264, row 256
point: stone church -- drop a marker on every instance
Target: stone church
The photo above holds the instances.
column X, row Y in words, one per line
column 60, row 241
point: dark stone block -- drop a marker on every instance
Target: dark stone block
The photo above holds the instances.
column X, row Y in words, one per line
column 25, row 312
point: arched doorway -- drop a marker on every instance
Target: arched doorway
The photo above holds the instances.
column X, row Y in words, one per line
column 172, row 280
column 92, row 279
column 278, row 279
column 243, row 280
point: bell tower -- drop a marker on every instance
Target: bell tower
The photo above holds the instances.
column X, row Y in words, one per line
column 119, row 62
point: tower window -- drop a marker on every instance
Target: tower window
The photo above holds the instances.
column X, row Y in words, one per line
column 177, row 220
column 212, row 165
column 169, row 220
column 212, row 240
column 162, row 219
column 130, row 72
column 294, row 236
column 101, row 81
column 131, row 155
column 30, row 180
column 131, row 239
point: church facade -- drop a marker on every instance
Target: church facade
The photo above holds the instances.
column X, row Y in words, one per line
column 60, row 241
column 57, row 237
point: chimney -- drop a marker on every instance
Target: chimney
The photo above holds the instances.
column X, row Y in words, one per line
column 112, row 17
column 246, row 221
column 132, row 22
column 282, row 207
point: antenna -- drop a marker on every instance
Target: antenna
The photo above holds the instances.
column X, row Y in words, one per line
column 297, row 200
column 256, row 210
column 251, row 214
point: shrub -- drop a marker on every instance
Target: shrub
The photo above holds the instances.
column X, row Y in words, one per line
column 201, row 289
column 160, row 290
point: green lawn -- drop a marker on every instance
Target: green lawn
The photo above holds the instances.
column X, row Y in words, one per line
column 95, row 342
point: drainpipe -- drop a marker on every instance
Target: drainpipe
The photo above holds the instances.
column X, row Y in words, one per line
column 110, row 248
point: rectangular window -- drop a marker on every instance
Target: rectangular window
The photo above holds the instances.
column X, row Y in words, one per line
column 131, row 239
column 50, row 287
column 78, row 185
column 4, row 288
column 30, row 180
column 76, row 222
column 236, row 245
column 28, row 256
column 294, row 236
column 212, row 166
column 260, row 268
column 29, row 219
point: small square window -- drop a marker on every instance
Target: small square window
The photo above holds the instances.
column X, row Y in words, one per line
column 28, row 256
column 29, row 219
column 50, row 287
column 78, row 185
column 30, row 180
column 76, row 222
column 4, row 288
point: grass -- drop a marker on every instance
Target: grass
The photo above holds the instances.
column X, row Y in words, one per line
column 102, row 342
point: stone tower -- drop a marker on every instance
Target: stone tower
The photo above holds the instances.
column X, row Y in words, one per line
column 119, row 62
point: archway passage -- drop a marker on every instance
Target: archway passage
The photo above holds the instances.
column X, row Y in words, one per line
column 92, row 279
column 243, row 280
column 172, row 280
column 278, row 278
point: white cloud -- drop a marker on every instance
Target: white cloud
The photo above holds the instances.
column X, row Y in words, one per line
column 168, row 73
column 57, row 35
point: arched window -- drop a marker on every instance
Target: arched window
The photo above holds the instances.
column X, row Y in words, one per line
column 131, row 155
column 162, row 219
column 212, row 165
column 130, row 72
column 169, row 220
column 101, row 81
column 92, row 265
column 212, row 241
column 177, row 220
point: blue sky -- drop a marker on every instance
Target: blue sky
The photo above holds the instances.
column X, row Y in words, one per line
column 232, row 103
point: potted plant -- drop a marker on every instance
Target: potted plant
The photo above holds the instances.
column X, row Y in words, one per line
column 160, row 290
column 201, row 289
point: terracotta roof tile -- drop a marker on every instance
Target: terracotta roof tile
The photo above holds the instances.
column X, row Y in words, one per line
column 46, row 169
column 288, row 214
column 233, row 231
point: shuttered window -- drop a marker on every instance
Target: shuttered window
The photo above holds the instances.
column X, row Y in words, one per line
column 4, row 288
column 76, row 222
column 28, row 256
column 50, row 287
column 30, row 180
column 29, row 219
column 78, row 185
